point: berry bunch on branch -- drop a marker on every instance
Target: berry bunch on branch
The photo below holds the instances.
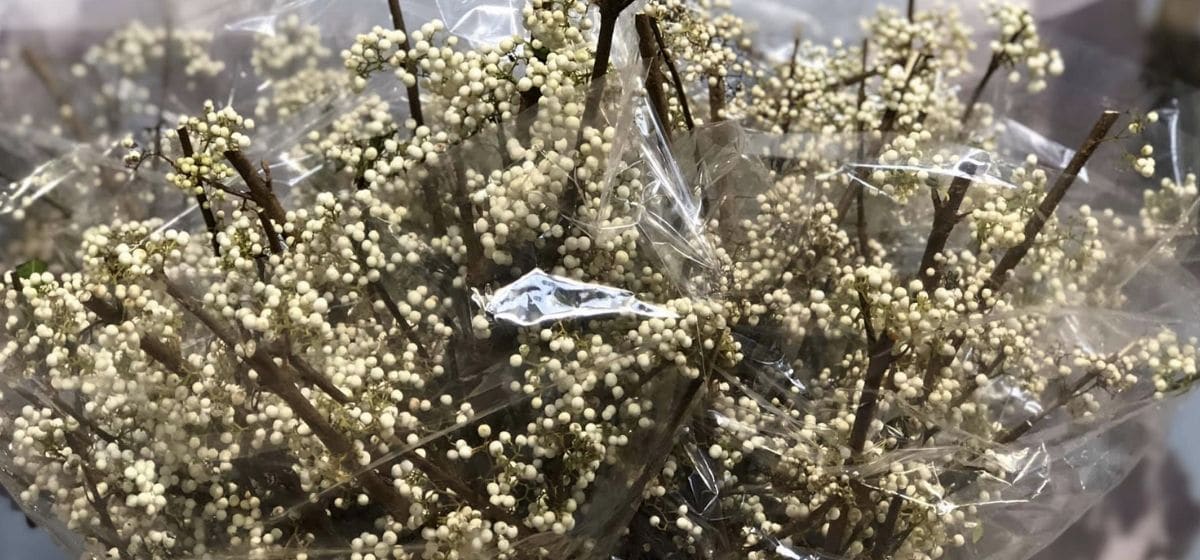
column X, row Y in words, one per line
column 620, row 285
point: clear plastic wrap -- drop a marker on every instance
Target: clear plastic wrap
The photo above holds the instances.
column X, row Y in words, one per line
column 690, row 403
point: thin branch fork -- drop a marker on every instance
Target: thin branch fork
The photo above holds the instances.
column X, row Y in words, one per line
column 994, row 65
column 1033, row 228
column 1051, row 201
column 263, row 196
column 1015, row 432
column 945, row 218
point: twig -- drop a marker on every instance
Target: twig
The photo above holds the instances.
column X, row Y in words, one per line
column 263, row 196
column 456, row 483
column 677, row 81
column 860, row 195
column 888, row 124
column 158, row 350
column 716, row 98
column 651, row 59
column 945, row 217
column 278, row 381
column 791, row 98
column 1033, row 227
column 410, row 64
column 994, row 65
column 389, row 303
column 1015, row 432
column 466, row 225
column 210, row 220
column 93, row 489
column 528, row 112
column 164, row 74
column 1051, row 201
column 317, row 379
column 610, row 11
column 883, row 536
column 868, row 403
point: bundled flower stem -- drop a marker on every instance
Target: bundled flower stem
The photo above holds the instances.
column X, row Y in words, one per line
column 551, row 306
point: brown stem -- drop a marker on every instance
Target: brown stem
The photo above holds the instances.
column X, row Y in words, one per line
column 791, row 96
column 892, row 114
column 410, row 64
column 54, row 402
column 389, row 303
column 164, row 75
column 92, row 488
column 990, row 372
column 380, row 490
column 58, row 95
column 466, row 224
column 800, row 526
column 716, row 98
column 610, row 12
column 317, row 379
column 1033, row 227
column 655, row 80
column 456, row 483
column 528, row 112
column 883, row 537
column 888, row 124
column 280, row 382
column 945, row 218
column 868, row 403
column 210, row 220
column 156, row 349
column 860, row 194
column 682, row 399
column 676, row 79
column 1051, row 201
column 260, row 191
column 1015, row 432
column 994, row 65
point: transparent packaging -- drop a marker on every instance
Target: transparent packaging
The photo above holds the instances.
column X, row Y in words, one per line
column 741, row 422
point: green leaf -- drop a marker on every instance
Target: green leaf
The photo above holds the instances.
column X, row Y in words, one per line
column 29, row 268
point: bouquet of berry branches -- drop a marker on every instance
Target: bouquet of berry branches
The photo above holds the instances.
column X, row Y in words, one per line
column 576, row 280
